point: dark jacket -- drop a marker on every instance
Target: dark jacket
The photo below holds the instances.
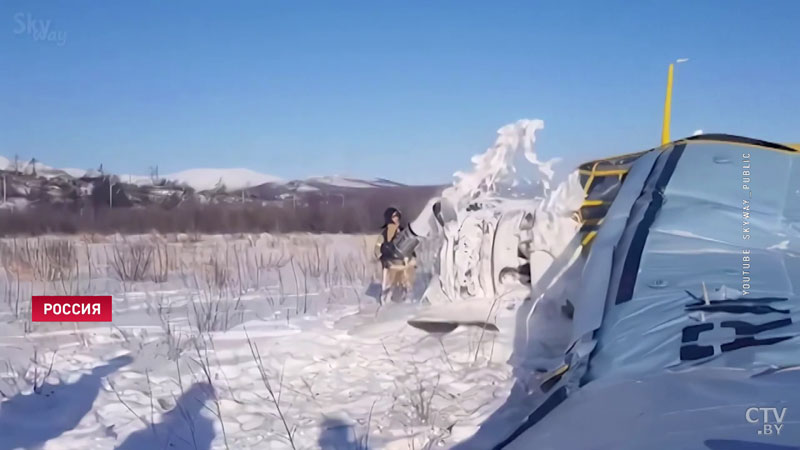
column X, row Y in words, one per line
column 384, row 248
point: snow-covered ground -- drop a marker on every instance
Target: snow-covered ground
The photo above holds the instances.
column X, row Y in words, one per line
column 279, row 341
column 342, row 369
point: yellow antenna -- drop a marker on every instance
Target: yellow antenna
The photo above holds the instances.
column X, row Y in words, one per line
column 667, row 107
column 668, row 102
column 794, row 146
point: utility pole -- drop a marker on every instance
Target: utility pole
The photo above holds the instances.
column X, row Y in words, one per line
column 110, row 193
column 4, row 188
column 244, row 189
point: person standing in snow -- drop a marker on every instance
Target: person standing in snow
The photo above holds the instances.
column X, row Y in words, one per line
column 398, row 272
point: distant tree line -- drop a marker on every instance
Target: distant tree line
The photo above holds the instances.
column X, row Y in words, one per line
column 357, row 215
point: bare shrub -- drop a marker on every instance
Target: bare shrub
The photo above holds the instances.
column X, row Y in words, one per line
column 94, row 238
column 213, row 313
column 204, row 363
column 13, row 293
column 265, row 379
column 217, row 276
column 274, row 259
column 132, row 261
column 353, row 271
column 314, row 262
column 421, row 399
column 47, row 259
column 363, row 441
column 194, row 237
column 213, row 308
column 161, row 262
column 20, row 379
column 176, row 342
column 272, row 242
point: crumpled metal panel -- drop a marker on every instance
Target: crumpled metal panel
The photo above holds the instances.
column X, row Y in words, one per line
column 597, row 272
column 681, row 410
column 680, row 362
column 699, row 238
column 506, row 424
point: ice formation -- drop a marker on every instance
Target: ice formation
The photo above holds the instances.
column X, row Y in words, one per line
column 503, row 205
column 496, row 171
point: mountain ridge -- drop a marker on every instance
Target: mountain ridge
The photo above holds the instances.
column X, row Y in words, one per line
column 200, row 179
column 35, row 183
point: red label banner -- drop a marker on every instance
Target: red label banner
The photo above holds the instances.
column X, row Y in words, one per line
column 52, row 308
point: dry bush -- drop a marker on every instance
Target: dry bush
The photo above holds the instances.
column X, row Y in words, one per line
column 176, row 342
column 60, row 260
column 94, row 238
column 18, row 379
column 41, row 259
column 337, row 275
column 273, row 396
column 273, row 242
column 164, row 260
column 273, row 260
column 132, row 261
column 357, row 271
column 194, row 237
column 204, row 363
column 314, row 262
column 214, row 307
column 160, row 264
column 217, row 276
column 300, row 240
column 420, row 398
column 214, row 313
column 9, row 259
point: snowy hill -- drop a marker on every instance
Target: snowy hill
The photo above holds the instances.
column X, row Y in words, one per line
column 34, row 183
column 207, row 179
column 232, row 179
column 347, row 182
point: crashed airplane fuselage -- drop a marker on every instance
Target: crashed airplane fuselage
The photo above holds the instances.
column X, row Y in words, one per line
column 685, row 325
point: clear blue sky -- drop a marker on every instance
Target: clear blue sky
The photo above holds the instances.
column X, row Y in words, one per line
column 405, row 90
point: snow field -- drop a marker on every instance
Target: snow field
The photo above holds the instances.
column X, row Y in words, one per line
column 342, row 371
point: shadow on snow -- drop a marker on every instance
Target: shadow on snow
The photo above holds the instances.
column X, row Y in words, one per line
column 28, row 421
column 338, row 435
column 181, row 428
